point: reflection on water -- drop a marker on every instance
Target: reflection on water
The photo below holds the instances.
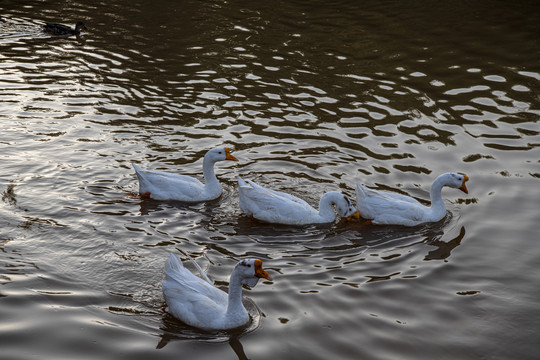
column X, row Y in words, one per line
column 313, row 96
column 173, row 330
column 236, row 345
column 8, row 195
column 234, row 342
column 445, row 248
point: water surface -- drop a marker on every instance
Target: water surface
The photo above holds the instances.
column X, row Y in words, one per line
column 313, row 96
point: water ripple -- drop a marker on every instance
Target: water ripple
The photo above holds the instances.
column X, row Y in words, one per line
column 312, row 97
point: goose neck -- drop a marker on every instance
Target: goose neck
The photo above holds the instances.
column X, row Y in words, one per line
column 235, row 306
column 326, row 206
column 208, row 173
column 435, row 192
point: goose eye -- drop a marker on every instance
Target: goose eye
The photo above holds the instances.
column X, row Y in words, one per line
column 248, row 265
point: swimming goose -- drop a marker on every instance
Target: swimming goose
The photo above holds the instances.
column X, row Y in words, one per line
column 385, row 208
column 59, row 29
column 199, row 303
column 281, row 208
column 160, row 185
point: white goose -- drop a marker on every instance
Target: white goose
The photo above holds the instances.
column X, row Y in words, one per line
column 160, row 185
column 199, row 303
column 385, row 208
column 281, row 208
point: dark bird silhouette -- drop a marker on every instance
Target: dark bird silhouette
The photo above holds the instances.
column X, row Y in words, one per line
column 59, row 29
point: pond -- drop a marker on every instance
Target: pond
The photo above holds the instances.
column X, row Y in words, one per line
column 312, row 97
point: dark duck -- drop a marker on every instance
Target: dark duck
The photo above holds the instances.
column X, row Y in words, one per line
column 59, row 29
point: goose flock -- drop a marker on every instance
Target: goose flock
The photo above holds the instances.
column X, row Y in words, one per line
column 197, row 302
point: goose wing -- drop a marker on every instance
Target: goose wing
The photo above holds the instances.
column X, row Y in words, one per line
column 190, row 298
column 388, row 208
column 164, row 185
column 277, row 194
column 273, row 206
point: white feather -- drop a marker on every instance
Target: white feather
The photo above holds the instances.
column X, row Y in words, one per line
column 160, row 185
column 282, row 208
column 382, row 207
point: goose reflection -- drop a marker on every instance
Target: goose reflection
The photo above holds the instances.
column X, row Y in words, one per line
column 237, row 347
column 148, row 205
column 174, row 330
column 432, row 234
column 232, row 337
column 445, row 248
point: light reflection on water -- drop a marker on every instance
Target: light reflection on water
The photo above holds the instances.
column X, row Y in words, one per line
column 312, row 98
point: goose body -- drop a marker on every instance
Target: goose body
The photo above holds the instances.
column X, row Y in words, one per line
column 59, row 29
column 198, row 303
column 282, row 208
column 160, row 185
column 385, row 208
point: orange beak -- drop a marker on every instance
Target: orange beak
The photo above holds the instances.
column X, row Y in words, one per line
column 228, row 155
column 463, row 187
column 356, row 216
column 260, row 272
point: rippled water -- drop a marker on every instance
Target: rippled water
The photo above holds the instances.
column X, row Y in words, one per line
column 313, row 96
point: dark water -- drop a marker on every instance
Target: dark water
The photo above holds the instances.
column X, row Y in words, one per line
column 313, row 96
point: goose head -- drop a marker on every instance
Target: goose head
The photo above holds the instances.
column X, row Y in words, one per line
column 250, row 271
column 220, row 154
column 458, row 180
column 346, row 209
